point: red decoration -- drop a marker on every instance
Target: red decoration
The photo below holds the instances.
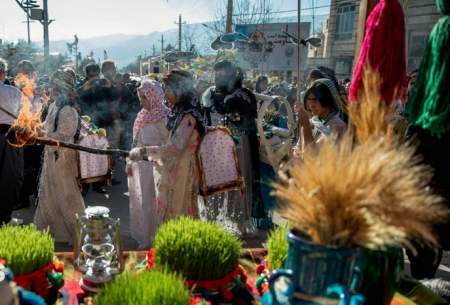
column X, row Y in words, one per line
column 260, row 269
column 150, row 258
column 198, row 301
column 384, row 50
column 73, row 290
column 36, row 281
column 59, row 266
column 261, row 285
column 220, row 284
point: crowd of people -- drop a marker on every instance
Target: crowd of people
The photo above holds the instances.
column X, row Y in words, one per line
column 162, row 122
column 173, row 115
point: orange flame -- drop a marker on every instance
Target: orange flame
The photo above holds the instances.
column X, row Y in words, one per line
column 28, row 122
column 27, row 84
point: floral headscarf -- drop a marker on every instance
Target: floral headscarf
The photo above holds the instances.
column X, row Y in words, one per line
column 153, row 92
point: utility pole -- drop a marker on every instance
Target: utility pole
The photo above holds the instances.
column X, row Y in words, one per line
column 265, row 13
column 76, row 58
column 26, row 6
column 46, row 22
column 30, row 6
column 28, row 21
column 229, row 24
column 180, row 24
column 162, row 44
column 28, row 28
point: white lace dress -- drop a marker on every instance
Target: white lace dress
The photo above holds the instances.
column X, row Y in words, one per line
column 231, row 209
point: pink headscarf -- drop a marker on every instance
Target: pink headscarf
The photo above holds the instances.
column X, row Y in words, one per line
column 153, row 92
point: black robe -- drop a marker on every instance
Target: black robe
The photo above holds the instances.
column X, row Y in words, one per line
column 240, row 107
column 436, row 153
column 11, row 176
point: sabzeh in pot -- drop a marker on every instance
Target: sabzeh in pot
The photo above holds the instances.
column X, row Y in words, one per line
column 153, row 287
column 204, row 254
column 29, row 253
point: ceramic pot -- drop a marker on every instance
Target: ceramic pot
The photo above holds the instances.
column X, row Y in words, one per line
column 381, row 272
column 316, row 274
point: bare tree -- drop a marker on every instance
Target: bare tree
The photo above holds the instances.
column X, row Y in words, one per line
column 244, row 12
column 189, row 38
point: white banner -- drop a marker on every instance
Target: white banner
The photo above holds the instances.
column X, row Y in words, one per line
column 269, row 49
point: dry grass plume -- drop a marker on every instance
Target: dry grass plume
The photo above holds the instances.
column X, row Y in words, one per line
column 369, row 189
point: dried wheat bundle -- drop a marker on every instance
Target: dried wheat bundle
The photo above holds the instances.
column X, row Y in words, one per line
column 371, row 115
column 370, row 194
column 366, row 190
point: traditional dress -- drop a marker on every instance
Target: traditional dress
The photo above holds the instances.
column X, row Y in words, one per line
column 176, row 173
column 236, row 110
column 149, row 130
column 332, row 124
column 59, row 194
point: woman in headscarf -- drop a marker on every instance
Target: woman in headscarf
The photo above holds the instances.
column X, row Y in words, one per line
column 149, row 130
column 178, row 177
column 59, row 195
column 262, row 84
column 322, row 101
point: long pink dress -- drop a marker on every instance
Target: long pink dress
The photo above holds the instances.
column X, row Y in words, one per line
column 176, row 175
column 144, row 220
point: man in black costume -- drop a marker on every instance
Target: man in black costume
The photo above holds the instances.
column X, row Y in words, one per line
column 229, row 104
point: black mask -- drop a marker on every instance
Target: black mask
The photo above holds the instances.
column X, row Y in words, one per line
column 224, row 80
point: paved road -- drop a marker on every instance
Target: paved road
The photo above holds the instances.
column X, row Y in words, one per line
column 116, row 199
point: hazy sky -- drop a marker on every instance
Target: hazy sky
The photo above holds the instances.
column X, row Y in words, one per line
column 90, row 18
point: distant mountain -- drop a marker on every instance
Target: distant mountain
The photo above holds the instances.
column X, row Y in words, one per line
column 124, row 48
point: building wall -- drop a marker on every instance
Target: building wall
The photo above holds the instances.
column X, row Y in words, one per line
column 339, row 54
column 421, row 15
column 341, row 51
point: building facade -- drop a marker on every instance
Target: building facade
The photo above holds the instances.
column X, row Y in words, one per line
column 340, row 33
column 339, row 38
column 421, row 15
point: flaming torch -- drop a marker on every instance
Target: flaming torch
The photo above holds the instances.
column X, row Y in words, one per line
column 27, row 128
column 20, row 136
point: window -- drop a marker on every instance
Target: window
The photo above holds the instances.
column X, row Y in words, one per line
column 417, row 44
column 345, row 18
column 344, row 66
column 416, row 48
